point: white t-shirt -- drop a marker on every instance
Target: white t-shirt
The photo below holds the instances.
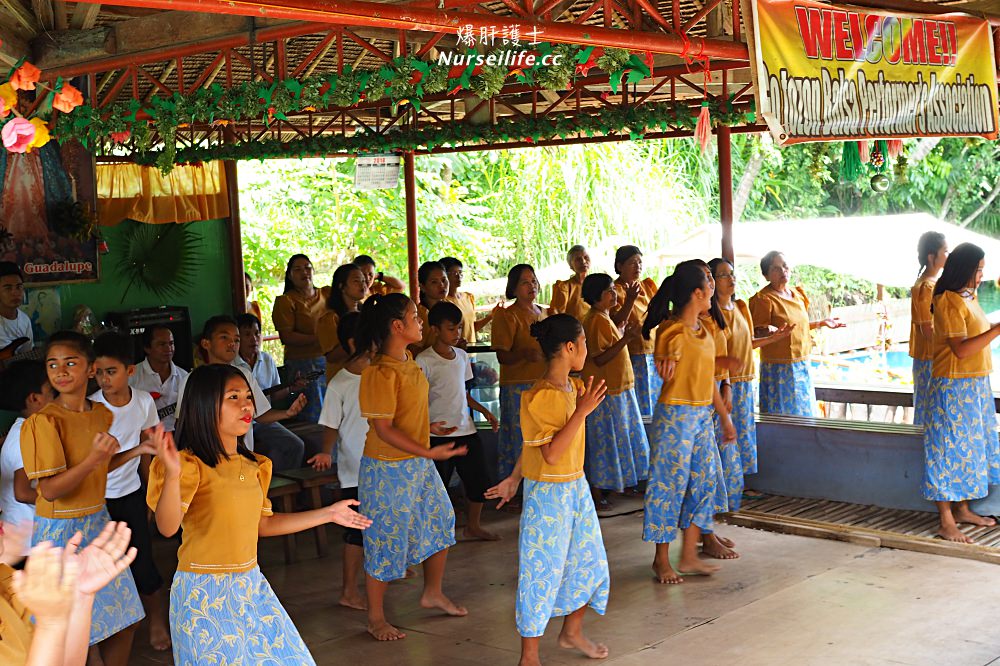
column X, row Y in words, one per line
column 10, row 462
column 265, row 370
column 448, row 396
column 164, row 392
column 129, row 422
column 342, row 411
column 261, row 403
column 18, row 327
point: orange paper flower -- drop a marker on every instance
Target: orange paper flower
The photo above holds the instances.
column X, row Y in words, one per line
column 25, row 77
column 67, row 99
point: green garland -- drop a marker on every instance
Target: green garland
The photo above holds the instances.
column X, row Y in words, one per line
column 632, row 121
column 405, row 79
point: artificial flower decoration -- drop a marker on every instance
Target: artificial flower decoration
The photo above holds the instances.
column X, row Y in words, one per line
column 121, row 137
column 4, row 111
column 17, row 135
column 67, row 99
column 26, row 76
column 41, row 134
column 9, row 96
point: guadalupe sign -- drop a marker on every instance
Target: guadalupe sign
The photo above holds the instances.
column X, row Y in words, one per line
column 829, row 73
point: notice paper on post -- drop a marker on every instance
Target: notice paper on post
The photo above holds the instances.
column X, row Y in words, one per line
column 377, row 172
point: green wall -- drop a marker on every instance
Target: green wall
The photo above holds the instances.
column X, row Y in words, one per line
column 209, row 294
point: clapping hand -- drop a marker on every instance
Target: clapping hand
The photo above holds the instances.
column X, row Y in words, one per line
column 665, row 368
column 103, row 559
column 591, row 395
column 104, row 446
column 48, row 584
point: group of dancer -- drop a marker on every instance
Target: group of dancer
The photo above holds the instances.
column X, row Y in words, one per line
column 576, row 380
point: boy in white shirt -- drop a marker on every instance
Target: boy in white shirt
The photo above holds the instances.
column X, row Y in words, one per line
column 345, row 427
column 26, row 391
column 134, row 413
column 158, row 375
column 14, row 324
column 447, row 368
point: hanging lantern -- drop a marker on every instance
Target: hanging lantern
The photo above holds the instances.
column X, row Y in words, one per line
column 880, row 183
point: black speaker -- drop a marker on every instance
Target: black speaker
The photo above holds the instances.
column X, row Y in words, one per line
column 174, row 317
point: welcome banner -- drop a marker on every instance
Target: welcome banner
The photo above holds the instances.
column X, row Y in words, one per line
column 828, row 73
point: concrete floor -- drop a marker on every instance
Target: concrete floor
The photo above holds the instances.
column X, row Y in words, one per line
column 788, row 600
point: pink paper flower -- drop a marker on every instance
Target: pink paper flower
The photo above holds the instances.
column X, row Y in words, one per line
column 17, row 135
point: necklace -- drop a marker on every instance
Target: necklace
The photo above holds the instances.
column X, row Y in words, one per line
column 242, row 478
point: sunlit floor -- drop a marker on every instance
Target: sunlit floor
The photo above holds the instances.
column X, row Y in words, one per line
column 788, row 600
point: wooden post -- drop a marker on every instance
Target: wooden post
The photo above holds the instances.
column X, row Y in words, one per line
column 723, row 139
column 412, row 254
column 234, row 234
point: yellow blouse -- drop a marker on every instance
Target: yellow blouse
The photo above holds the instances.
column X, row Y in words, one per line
column 646, row 292
column 920, row 313
column 15, row 622
column 511, row 332
column 770, row 309
column 719, row 339
column 55, row 439
column 294, row 312
column 739, row 340
column 466, row 302
column 397, row 390
column 602, row 333
column 221, row 508
column 567, row 297
column 545, row 409
column 326, row 331
column 693, row 379
column 956, row 316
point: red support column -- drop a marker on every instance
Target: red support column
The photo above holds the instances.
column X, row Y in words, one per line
column 412, row 254
column 723, row 140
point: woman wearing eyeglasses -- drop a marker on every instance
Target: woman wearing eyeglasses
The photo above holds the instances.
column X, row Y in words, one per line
column 786, row 385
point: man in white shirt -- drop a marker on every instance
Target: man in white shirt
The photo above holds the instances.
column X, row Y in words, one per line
column 14, row 324
column 220, row 339
column 158, row 375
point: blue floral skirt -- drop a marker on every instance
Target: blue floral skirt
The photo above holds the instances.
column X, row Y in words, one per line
column 315, row 390
column 648, row 383
column 787, row 388
column 116, row 605
column 961, row 449
column 411, row 514
column 231, row 618
column 921, row 391
column 682, row 478
column 562, row 562
column 746, row 425
column 617, row 448
column 509, row 441
column 729, row 473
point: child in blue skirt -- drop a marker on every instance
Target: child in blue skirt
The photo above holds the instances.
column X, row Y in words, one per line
column 222, row 609
column 398, row 485
column 681, row 492
column 563, row 567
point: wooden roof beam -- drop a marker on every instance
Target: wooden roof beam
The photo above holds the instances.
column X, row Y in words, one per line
column 85, row 15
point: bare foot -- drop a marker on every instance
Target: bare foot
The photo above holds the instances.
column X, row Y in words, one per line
column 584, row 645
column 355, row 601
column 965, row 515
column 383, row 631
column 443, row 603
column 159, row 637
column 728, row 543
column 715, row 546
column 696, row 567
column 529, row 661
column 952, row 533
column 665, row 574
column 479, row 534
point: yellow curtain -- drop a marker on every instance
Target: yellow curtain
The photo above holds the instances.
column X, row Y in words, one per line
column 186, row 194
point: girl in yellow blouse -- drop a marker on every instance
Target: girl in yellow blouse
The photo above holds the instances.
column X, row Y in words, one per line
column 433, row 283
column 961, row 449
column 45, row 610
column 567, row 295
column 67, row 449
column 222, row 609
column 681, row 491
column 786, row 385
column 294, row 315
column 465, row 301
column 348, row 290
column 617, row 448
column 932, row 250
column 563, row 567
column 398, row 485
column 634, row 294
column 520, row 357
